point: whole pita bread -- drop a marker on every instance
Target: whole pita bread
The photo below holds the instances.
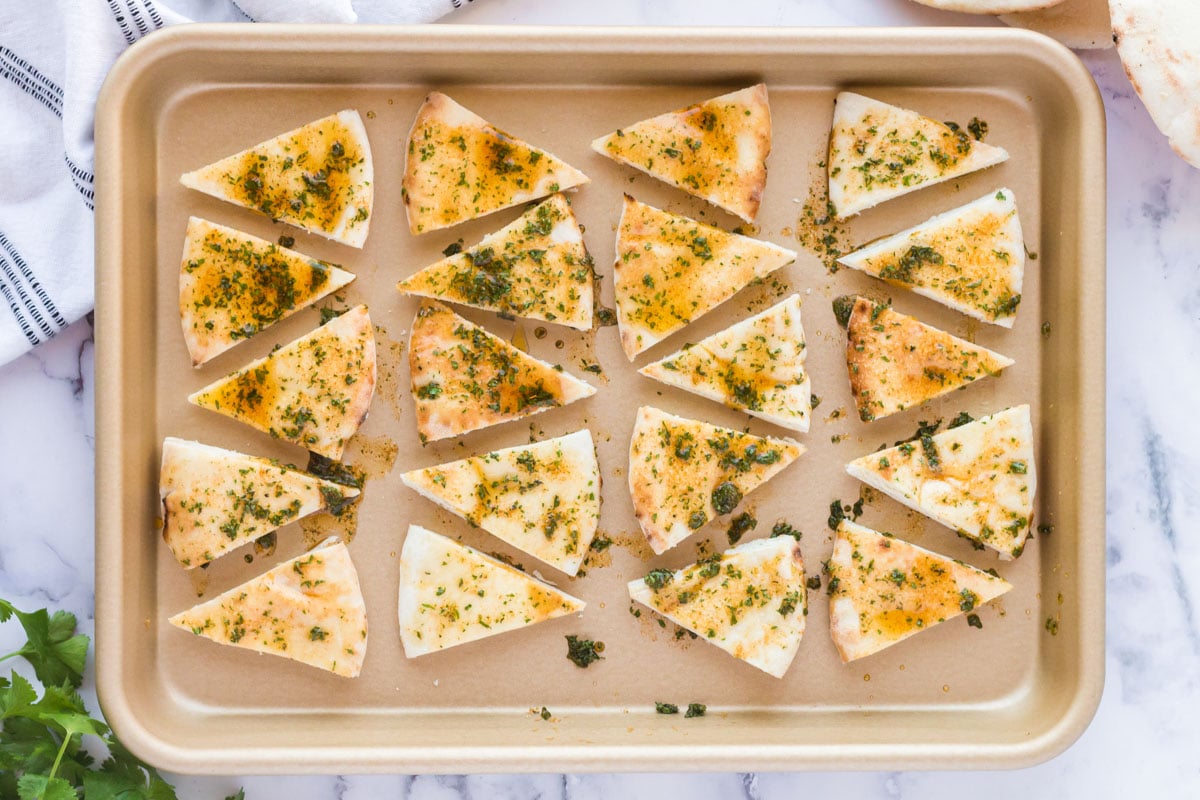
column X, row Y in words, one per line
column 988, row 6
column 1079, row 24
column 1159, row 44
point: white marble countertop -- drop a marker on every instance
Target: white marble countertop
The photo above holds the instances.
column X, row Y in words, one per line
column 1144, row 739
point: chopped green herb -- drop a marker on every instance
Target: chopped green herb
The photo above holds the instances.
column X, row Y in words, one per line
column 784, row 528
column 656, row 579
column 666, row 708
column 968, row 601
column 843, row 307
column 725, row 497
column 582, row 652
column 962, row 419
column 695, row 710
column 740, row 525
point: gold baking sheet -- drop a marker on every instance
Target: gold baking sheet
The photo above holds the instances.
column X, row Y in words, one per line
column 1008, row 694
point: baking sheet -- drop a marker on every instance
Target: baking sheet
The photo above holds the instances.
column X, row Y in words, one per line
column 1008, row 694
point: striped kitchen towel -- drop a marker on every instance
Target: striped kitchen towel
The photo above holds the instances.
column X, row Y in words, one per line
column 53, row 58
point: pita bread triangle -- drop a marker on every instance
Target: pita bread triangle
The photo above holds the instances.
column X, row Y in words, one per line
column 1159, row 48
column 978, row 479
column 543, row 498
column 217, row 500
column 671, row 270
column 464, row 378
column 536, row 267
column 749, row 601
column 309, row 609
column 684, row 473
column 883, row 590
column 458, row 167
column 716, row 150
column 878, row 152
column 971, row 259
column 314, row 391
column 318, row 177
column 233, row 285
column 451, row 594
column 756, row 365
column 896, row 362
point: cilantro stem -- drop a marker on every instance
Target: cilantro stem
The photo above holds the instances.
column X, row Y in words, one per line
column 12, row 654
column 62, row 749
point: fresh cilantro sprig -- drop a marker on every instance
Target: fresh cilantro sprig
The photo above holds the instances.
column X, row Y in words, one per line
column 56, row 652
column 41, row 737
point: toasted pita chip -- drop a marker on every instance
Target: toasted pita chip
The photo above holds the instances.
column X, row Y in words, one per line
column 217, row 500
column 537, row 268
column 684, row 473
column 878, row 152
column 543, row 498
column 459, row 167
column 233, row 285
column 896, row 362
column 749, row 601
column 978, row 479
column 1079, row 24
column 464, row 378
column 309, row 609
column 1160, row 48
column 318, row 177
column 451, row 594
column 988, row 6
column 883, row 590
column 756, row 365
column 671, row 270
column 970, row 258
column 314, row 391
column 716, row 150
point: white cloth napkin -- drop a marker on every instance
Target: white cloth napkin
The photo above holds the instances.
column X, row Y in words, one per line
column 53, row 58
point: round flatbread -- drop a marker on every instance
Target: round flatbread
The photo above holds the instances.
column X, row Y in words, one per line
column 988, row 6
column 1159, row 44
column 1079, row 24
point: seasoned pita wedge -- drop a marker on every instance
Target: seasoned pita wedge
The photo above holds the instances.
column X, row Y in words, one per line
column 1079, row 24
column 459, row 167
column 464, row 378
column 684, row 473
column 756, row 365
column 1160, row 49
column 978, row 479
column 971, row 258
column 988, row 6
column 314, row 391
column 233, row 285
column 749, row 601
column 451, row 594
column 883, row 590
column 309, row 609
column 318, row 177
column 542, row 498
column 217, row 500
column 537, row 268
column 716, row 150
column 896, row 362
column 878, row 152
column 671, row 270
